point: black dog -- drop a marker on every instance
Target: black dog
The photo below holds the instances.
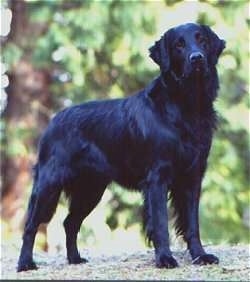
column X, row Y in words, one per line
column 156, row 141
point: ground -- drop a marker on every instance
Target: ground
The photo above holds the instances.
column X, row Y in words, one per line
column 234, row 266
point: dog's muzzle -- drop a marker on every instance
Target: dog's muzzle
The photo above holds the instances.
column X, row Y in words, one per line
column 197, row 61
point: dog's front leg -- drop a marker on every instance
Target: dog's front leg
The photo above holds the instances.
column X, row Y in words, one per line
column 156, row 207
column 192, row 234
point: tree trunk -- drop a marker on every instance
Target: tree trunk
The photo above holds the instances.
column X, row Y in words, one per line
column 25, row 116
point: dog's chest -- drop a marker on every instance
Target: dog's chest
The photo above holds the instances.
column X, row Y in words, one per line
column 190, row 127
column 193, row 131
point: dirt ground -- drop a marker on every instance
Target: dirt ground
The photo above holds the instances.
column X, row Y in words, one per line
column 234, row 266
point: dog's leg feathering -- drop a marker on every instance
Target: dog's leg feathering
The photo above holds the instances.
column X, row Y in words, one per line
column 157, row 226
column 186, row 204
column 42, row 205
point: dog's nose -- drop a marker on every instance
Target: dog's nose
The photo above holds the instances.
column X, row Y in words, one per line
column 196, row 57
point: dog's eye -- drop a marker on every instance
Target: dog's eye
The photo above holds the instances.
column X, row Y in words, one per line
column 197, row 36
column 203, row 40
column 180, row 44
column 204, row 43
column 200, row 39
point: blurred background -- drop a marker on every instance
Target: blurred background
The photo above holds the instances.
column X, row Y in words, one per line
column 63, row 52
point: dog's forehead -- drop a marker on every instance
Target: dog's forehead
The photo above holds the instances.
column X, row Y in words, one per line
column 186, row 29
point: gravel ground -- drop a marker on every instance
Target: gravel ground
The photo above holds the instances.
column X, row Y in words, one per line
column 234, row 266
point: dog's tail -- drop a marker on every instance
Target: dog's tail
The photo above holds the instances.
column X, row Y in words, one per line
column 43, row 199
column 33, row 192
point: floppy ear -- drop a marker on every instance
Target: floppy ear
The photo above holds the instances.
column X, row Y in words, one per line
column 159, row 52
column 216, row 44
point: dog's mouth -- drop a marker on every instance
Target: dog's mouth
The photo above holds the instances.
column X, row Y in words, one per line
column 199, row 70
column 191, row 71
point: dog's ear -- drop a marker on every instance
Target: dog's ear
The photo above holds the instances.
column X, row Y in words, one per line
column 159, row 52
column 216, row 44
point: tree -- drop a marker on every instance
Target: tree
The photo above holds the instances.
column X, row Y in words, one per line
column 26, row 113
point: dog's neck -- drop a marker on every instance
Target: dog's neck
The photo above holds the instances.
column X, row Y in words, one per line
column 193, row 94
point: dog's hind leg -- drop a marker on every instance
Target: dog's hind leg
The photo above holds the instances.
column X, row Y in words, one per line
column 42, row 205
column 86, row 194
column 92, row 173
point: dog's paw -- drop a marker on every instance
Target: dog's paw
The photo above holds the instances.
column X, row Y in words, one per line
column 77, row 260
column 26, row 265
column 206, row 259
column 166, row 261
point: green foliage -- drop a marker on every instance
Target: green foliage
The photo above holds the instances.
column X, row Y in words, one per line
column 130, row 202
column 98, row 49
column 11, row 55
column 226, row 187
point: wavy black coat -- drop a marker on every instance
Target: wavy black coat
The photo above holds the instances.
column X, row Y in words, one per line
column 156, row 141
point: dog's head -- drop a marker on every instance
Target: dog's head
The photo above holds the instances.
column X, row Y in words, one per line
column 187, row 50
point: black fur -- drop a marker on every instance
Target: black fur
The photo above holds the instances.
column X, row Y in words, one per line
column 156, row 141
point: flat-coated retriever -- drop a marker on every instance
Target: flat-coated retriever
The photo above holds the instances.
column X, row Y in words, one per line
column 156, row 141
